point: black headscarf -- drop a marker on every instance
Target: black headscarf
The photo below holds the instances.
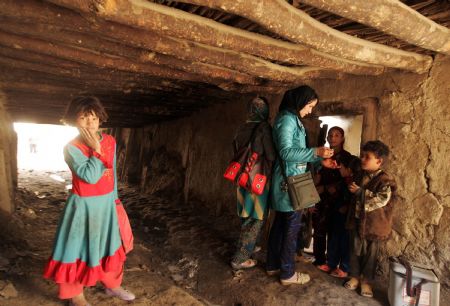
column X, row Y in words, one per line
column 295, row 99
column 258, row 109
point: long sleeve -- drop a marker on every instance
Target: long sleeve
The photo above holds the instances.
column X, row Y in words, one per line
column 88, row 169
column 289, row 152
column 375, row 200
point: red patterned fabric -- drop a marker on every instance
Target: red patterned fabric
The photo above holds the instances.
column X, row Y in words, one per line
column 106, row 183
column 126, row 233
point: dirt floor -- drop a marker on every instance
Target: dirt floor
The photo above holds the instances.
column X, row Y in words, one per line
column 181, row 256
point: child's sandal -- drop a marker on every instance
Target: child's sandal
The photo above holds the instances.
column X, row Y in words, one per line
column 352, row 284
column 366, row 290
column 339, row 273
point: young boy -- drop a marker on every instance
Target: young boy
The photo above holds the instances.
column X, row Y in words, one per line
column 371, row 216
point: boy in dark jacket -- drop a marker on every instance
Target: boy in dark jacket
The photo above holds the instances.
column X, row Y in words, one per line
column 370, row 219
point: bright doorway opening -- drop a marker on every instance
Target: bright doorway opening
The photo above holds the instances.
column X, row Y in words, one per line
column 352, row 126
column 40, row 146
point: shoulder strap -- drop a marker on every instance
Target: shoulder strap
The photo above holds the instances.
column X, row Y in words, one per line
column 252, row 136
column 250, row 141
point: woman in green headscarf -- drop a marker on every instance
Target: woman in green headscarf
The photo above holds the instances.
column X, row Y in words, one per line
column 252, row 208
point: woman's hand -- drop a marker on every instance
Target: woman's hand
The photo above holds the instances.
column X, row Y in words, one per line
column 324, row 152
column 353, row 187
column 90, row 139
column 330, row 163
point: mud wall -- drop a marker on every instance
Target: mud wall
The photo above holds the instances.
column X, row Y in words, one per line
column 8, row 160
column 185, row 159
column 415, row 122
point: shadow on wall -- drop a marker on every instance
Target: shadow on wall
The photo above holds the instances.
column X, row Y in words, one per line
column 163, row 174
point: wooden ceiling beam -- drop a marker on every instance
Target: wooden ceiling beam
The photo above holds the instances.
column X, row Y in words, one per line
column 172, row 66
column 22, row 76
column 18, row 62
column 187, row 27
column 53, row 117
column 226, row 90
column 28, row 95
column 90, row 58
column 180, row 51
column 83, row 79
column 394, row 18
column 29, row 104
column 295, row 25
column 111, row 99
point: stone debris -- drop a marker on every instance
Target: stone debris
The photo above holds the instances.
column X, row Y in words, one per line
column 8, row 291
column 173, row 269
column 31, row 213
column 175, row 296
column 177, row 277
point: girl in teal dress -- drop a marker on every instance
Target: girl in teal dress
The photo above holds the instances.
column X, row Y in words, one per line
column 94, row 233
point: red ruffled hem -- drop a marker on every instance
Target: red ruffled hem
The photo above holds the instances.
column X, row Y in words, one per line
column 80, row 272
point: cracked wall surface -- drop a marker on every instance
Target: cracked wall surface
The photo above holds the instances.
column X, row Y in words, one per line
column 8, row 160
column 415, row 123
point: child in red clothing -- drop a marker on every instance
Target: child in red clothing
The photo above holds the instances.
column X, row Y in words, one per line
column 94, row 232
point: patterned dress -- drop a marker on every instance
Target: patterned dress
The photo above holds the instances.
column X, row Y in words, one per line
column 88, row 240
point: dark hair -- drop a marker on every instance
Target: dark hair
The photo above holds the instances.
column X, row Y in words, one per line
column 376, row 147
column 352, row 162
column 84, row 105
column 295, row 99
column 339, row 129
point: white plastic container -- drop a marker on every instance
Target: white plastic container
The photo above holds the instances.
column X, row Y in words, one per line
column 397, row 286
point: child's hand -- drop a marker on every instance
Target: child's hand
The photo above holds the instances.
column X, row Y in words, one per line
column 353, row 187
column 330, row 163
column 90, row 139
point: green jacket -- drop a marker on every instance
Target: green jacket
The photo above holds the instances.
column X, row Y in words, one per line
column 289, row 136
